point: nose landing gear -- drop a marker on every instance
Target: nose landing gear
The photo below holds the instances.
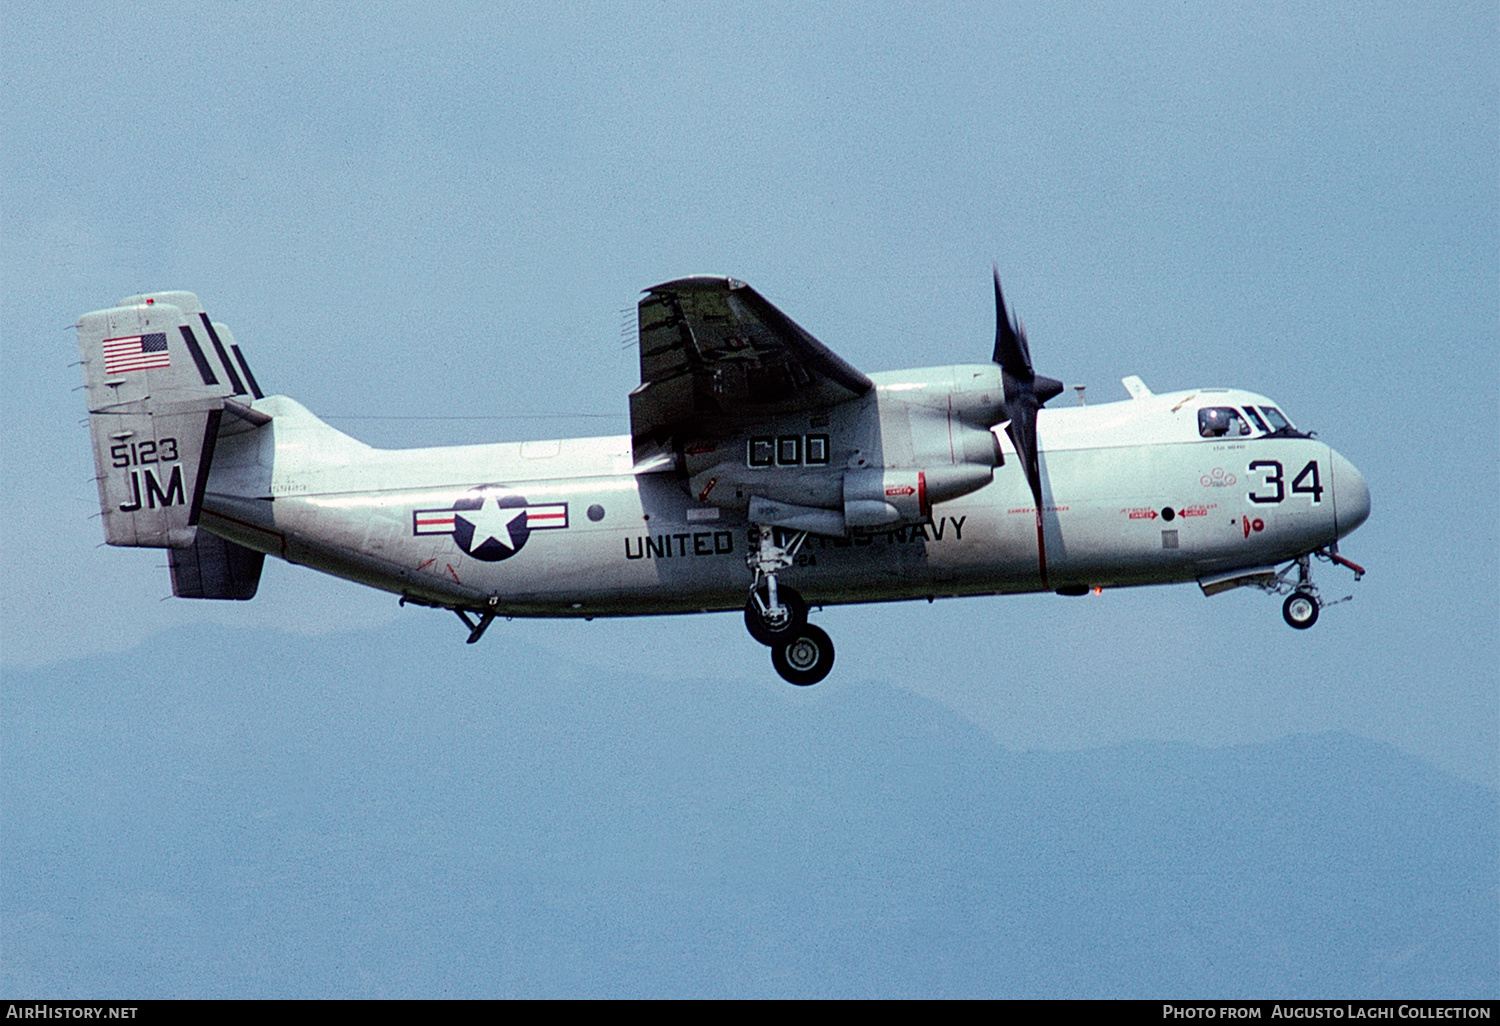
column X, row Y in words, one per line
column 1302, row 606
column 776, row 616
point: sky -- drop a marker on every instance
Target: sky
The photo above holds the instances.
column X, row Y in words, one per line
column 361, row 815
column 445, row 210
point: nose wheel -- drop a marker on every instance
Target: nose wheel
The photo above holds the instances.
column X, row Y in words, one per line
column 1300, row 610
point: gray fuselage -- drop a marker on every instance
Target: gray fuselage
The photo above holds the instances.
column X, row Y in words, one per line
column 1133, row 495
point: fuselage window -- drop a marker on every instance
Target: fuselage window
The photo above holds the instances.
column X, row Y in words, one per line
column 1250, row 412
column 762, row 452
column 1219, row 421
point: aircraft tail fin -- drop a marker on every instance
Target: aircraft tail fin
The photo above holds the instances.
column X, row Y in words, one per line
column 159, row 375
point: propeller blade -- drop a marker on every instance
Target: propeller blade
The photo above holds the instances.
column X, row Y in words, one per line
column 1025, row 390
column 1011, row 351
column 1022, row 432
column 1025, row 393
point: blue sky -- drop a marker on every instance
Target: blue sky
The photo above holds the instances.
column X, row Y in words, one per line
column 449, row 210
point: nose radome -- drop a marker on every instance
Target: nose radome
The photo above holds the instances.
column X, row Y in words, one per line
column 1351, row 497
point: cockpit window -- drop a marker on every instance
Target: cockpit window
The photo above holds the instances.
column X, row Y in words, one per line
column 1219, row 421
column 1255, row 418
column 1278, row 422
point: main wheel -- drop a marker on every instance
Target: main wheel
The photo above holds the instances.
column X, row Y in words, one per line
column 806, row 659
column 1300, row 609
column 762, row 629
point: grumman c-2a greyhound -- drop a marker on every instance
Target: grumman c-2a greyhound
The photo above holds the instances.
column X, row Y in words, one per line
column 761, row 472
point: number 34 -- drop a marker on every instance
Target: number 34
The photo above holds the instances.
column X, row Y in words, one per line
column 1307, row 481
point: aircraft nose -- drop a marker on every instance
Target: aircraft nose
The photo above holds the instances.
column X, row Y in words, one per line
column 1351, row 497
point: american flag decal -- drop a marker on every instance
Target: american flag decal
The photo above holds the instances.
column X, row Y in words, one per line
column 135, row 353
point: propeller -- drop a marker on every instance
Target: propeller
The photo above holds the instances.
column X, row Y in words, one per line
column 1025, row 390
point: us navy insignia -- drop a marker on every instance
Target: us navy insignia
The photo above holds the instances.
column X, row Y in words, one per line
column 491, row 526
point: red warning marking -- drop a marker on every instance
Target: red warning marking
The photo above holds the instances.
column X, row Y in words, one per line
column 1193, row 511
column 426, row 563
column 1041, row 548
column 1252, row 525
column 1142, row 514
column 703, row 495
column 903, row 490
column 454, row 573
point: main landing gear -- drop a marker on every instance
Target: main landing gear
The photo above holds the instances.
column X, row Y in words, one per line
column 1302, row 606
column 777, row 616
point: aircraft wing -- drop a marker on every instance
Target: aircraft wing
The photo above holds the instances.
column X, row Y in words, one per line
column 716, row 356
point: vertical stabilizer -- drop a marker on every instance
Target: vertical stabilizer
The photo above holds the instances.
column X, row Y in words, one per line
column 158, row 375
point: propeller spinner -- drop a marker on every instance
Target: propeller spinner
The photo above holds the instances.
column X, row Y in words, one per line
column 1025, row 390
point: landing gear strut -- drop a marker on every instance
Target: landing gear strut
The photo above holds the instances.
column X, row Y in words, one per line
column 776, row 615
column 773, row 614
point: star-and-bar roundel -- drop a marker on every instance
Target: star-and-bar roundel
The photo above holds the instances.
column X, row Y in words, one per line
column 491, row 525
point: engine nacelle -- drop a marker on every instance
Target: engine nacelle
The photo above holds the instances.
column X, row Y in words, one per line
column 886, row 496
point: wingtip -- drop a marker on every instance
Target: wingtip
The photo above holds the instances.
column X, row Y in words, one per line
column 696, row 281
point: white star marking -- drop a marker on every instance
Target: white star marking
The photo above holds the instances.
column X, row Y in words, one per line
column 491, row 521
